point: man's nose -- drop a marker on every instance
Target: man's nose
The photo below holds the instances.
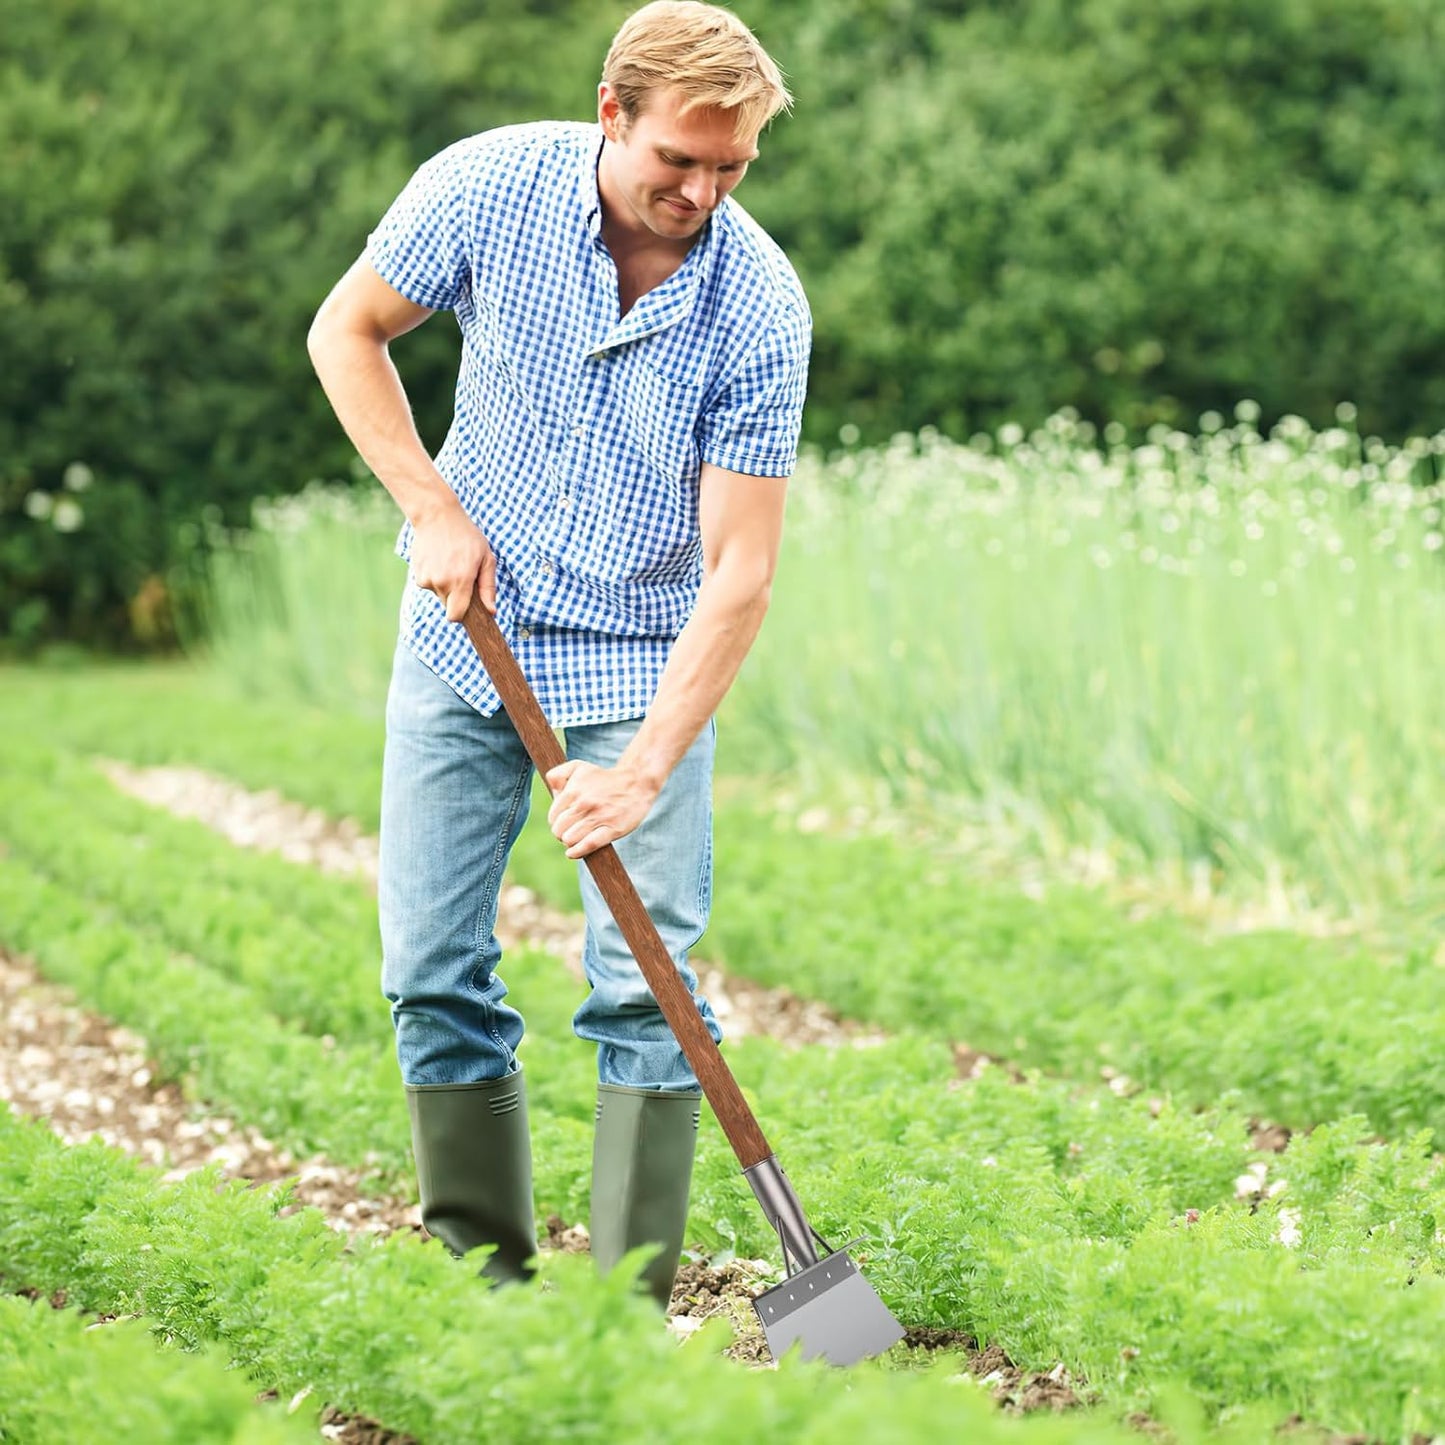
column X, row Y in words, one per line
column 701, row 190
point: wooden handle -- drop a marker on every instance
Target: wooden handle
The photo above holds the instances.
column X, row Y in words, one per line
column 617, row 888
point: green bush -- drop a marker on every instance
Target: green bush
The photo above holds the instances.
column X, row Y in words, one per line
column 184, row 183
column 1142, row 210
column 1139, row 209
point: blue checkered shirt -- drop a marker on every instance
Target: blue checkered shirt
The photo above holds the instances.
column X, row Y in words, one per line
column 578, row 436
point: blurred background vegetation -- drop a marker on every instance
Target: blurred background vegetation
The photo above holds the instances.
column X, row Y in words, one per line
column 1140, row 209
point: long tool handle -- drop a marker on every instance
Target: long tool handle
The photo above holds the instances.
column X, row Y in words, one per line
column 617, row 888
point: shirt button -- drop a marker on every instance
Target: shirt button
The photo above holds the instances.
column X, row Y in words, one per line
column 564, row 500
column 524, row 633
column 547, row 568
column 578, row 429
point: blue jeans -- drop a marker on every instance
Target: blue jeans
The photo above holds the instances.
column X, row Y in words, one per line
column 454, row 796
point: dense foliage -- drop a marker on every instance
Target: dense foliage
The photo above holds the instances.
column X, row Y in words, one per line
column 1140, row 209
column 185, row 183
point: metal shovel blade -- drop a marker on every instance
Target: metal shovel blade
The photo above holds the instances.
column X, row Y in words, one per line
column 831, row 1309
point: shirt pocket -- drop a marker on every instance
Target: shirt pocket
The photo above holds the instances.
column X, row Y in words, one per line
column 661, row 416
column 485, row 332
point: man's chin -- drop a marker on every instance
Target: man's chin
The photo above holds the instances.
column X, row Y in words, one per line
column 681, row 223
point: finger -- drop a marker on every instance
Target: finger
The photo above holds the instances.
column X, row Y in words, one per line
column 571, row 816
column 487, row 582
column 561, row 801
column 457, row 600
column 590, row 842
column 556, row 778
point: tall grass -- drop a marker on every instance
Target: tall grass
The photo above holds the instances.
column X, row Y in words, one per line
column 1215, row 651
column 1221, row 648
column 304, row 606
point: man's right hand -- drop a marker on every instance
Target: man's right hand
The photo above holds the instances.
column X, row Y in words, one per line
column 451, row 557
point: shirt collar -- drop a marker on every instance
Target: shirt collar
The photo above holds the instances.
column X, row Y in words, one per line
column 672, row 300
column 587, row 184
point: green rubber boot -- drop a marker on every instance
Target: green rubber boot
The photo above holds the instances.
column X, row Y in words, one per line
column 474, row 1169
column 641, row 1174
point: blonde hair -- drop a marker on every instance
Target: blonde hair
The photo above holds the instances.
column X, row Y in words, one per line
column 703, row 51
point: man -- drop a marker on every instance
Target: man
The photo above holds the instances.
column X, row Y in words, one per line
column 634, row 355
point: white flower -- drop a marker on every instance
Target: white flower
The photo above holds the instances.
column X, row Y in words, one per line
column 67, row 516
column 1289, row 1230
column 78, row 477
column 39, row 505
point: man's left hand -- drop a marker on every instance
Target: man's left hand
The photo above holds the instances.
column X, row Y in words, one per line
column 594, row 806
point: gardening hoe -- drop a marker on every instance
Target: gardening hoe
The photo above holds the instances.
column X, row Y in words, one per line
column 824, row 1304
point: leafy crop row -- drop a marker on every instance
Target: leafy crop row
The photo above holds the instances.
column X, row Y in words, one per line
column 1300, row 1030
column 400, row 1332
column 243, row 912
column 1059, row 1225
column 63, row 1379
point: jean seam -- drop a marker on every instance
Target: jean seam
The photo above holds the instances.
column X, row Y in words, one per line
column 487, row 900
column 704, row 877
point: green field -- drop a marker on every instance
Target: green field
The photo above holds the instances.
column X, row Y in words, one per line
column 984, row 668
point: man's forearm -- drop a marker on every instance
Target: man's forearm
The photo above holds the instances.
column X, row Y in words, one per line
column 705, row 660
column 366, row 392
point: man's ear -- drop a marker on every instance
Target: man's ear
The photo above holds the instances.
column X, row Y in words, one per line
column 609, row 113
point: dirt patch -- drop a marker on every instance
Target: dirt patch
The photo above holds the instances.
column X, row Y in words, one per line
column 358, row 1430
column 91, row 1079
column 564, row 1238
column 1269, row 1138
column 970, row 1063
column 265, row 821
column 703, row 1291
column 1018, row 1391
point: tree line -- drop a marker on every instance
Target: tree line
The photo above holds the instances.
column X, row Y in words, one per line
column 1143, row 209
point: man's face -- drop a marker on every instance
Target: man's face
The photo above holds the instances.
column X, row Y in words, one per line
column 668, row 170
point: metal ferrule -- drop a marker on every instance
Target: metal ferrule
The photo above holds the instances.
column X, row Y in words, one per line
column 780, row 1204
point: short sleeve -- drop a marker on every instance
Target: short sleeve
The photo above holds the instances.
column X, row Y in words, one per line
column 753, row 424
column 420, row 247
